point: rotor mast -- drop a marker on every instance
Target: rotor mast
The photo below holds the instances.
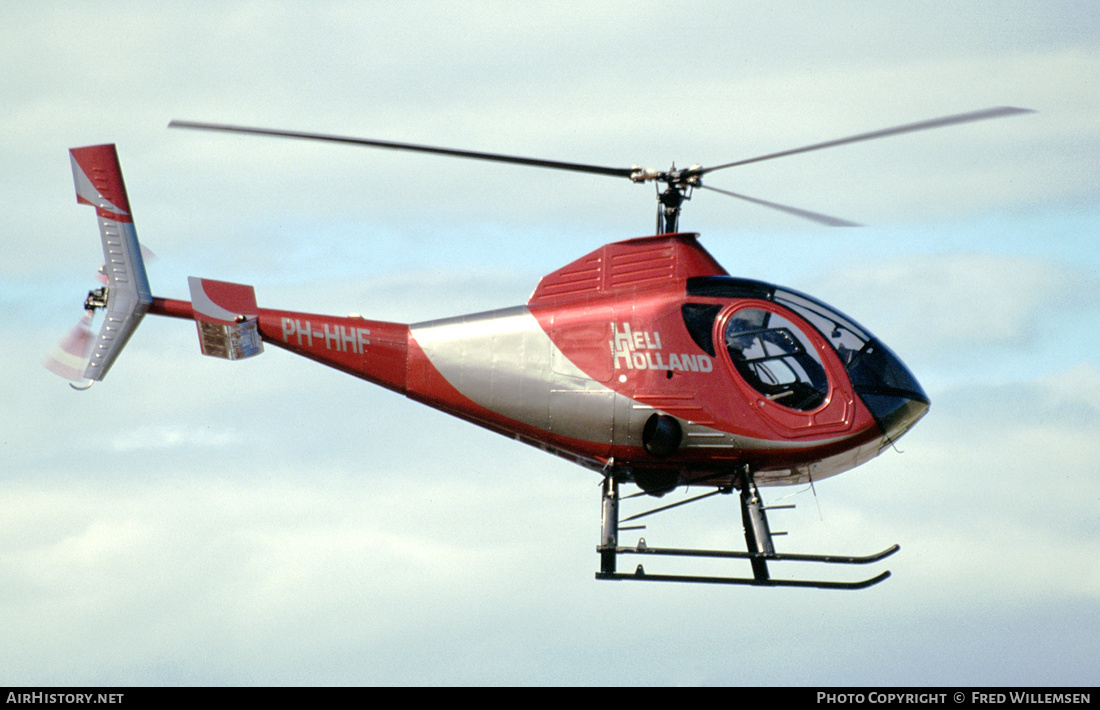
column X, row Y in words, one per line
column 678, row 187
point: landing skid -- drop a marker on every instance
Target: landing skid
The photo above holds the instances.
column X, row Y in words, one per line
column 641, row 575
column 758, row 539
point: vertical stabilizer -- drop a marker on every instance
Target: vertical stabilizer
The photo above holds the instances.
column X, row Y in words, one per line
column 98, row 179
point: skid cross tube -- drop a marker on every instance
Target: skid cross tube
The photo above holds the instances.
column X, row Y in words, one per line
column 758, row 541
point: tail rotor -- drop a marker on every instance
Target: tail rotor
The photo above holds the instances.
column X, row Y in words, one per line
column 70, row 356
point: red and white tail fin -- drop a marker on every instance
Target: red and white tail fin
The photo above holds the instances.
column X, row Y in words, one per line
column 98, row 179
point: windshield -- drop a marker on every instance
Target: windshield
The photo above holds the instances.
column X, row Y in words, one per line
column 843, row 334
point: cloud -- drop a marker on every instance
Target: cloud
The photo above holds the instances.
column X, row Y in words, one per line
column 311, row 71
column 166, row 437
column 1012, row 474
column 281, row 566
column 972, row 315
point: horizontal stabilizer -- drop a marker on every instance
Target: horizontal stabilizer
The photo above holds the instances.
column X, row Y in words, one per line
column 227, row 318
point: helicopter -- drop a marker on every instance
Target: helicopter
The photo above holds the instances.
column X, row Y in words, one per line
column 643, row 360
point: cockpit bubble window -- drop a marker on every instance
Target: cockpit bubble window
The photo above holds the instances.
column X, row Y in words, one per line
column 776, row 359
column 875, row 373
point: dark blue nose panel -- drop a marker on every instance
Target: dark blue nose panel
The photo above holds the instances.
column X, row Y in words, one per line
column 886, row 386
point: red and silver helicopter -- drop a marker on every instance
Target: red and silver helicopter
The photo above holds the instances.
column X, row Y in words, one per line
column 643, row 360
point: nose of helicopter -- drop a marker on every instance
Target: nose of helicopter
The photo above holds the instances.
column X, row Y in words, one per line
column 888, row 389
column 895, row 414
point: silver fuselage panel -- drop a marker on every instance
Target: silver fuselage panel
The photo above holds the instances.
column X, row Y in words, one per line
column 504, row 361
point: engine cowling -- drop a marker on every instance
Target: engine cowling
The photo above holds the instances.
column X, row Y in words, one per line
column 662, row 435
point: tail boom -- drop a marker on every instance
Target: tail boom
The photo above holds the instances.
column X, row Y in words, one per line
column 376, row 351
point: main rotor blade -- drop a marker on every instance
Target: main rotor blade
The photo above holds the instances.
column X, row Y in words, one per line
column 804, row 214
column 998, row 112
column 495, row 157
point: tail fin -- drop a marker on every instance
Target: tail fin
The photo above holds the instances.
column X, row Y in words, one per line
column 98, row 179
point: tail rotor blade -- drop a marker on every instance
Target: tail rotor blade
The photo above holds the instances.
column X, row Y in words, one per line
column 69, row 357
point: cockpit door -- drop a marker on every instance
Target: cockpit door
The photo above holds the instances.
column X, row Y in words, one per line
column 784, row 368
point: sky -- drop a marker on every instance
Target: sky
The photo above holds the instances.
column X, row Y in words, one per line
column 191, row 521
